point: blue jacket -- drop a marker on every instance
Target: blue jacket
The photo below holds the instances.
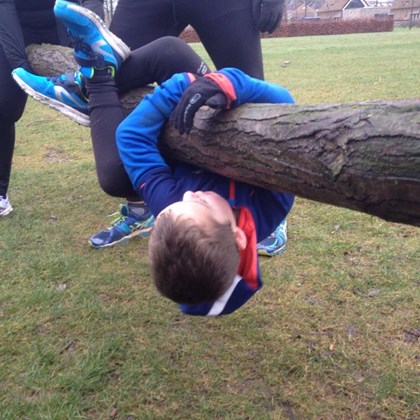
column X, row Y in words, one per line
column 162, row 183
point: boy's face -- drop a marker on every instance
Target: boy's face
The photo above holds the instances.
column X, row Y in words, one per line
column 204, row 207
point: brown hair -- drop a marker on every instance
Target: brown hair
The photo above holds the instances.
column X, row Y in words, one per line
column 190, row 264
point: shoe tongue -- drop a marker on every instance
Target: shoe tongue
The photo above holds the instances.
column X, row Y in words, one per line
column 124, row 210
column 137, row 210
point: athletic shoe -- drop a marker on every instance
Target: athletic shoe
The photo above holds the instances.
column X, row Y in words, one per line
column 63, row 93
column 94, row 45
column 275, row 243
column 126, row 225
column 5, row 206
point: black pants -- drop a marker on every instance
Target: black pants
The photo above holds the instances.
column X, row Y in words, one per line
column 12, row 105
column 37, row 25
column 155, row 62
column 225, row 28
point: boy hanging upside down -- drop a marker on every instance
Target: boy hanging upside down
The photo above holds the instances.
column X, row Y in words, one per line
column 203, row 244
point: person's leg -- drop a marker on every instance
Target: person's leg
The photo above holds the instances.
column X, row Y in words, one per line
column 227, row 32
column 106, row 114
column 155, row 62
column 139, row 22
column 12, row 105
column 158, row 61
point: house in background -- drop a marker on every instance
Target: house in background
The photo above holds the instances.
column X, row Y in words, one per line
column 406, row 12
column 334, row 9
column 353, row 9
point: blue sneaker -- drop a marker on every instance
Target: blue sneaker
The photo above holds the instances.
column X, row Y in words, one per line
column 275, row 243
column 63, row 93
column 126, row 225
column 94, row 45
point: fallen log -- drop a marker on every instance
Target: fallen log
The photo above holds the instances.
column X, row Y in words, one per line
column 364, row 156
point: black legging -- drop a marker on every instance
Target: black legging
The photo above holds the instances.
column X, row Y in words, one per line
column 12, row 105
column 225, row 28
column 22, row 23
column 155, row 62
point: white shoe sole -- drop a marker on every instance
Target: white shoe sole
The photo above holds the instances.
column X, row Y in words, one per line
column 6, row 211
column 66, row 110
column 143, row 233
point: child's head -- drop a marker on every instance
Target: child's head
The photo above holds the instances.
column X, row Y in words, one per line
column 194, row 248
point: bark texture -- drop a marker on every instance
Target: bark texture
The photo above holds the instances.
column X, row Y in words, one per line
column 363, row 156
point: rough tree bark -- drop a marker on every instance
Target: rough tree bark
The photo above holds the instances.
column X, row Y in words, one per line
column 363, row 156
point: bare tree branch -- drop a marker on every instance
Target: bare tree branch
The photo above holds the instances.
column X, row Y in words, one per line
column 363, row 156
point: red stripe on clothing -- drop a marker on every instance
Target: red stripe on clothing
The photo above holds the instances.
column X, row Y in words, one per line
column 192, row 77
column 225, row 84
column 248, row 265
column 232, row 191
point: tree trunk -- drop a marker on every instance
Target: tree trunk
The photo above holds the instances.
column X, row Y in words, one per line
column 363, row 156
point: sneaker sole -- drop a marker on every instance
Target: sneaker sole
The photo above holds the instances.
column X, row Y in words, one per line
column 64, row 109
column 6, row 211
column 118, row 45
column 265, row 253
column 144, row 233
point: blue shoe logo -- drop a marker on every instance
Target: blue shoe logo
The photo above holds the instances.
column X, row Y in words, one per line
column 65, row 97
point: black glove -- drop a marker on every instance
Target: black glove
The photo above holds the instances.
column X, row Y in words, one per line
column 267, row 14
column 203, row 91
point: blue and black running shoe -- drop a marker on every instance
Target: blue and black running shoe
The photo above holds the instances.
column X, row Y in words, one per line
column 275, row 243
column 64, row 93
column 126, row 225
column 94, row 45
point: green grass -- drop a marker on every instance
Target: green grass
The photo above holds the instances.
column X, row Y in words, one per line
column 334, row 333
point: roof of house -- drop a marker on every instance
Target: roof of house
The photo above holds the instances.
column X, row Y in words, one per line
column 336, row 5
column 300, row 11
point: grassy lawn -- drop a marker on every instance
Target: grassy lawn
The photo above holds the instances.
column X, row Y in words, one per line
column 334, row 333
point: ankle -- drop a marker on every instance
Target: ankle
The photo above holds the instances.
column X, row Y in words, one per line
column 139, row 208
column 93, row 73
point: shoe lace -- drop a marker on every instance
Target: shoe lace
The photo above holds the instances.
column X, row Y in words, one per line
column 92, row 59
column 63, row 79
column 118, row 217
column 281, row 229
column 81, row 46
column 70, row 83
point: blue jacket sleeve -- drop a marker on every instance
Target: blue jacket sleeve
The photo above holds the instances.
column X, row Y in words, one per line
column 251, row 90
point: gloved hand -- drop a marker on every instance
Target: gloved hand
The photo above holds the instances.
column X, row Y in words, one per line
column 267, row 14
column 204, row 91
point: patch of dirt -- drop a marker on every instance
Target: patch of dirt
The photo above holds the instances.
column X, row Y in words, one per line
column 56, row 155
